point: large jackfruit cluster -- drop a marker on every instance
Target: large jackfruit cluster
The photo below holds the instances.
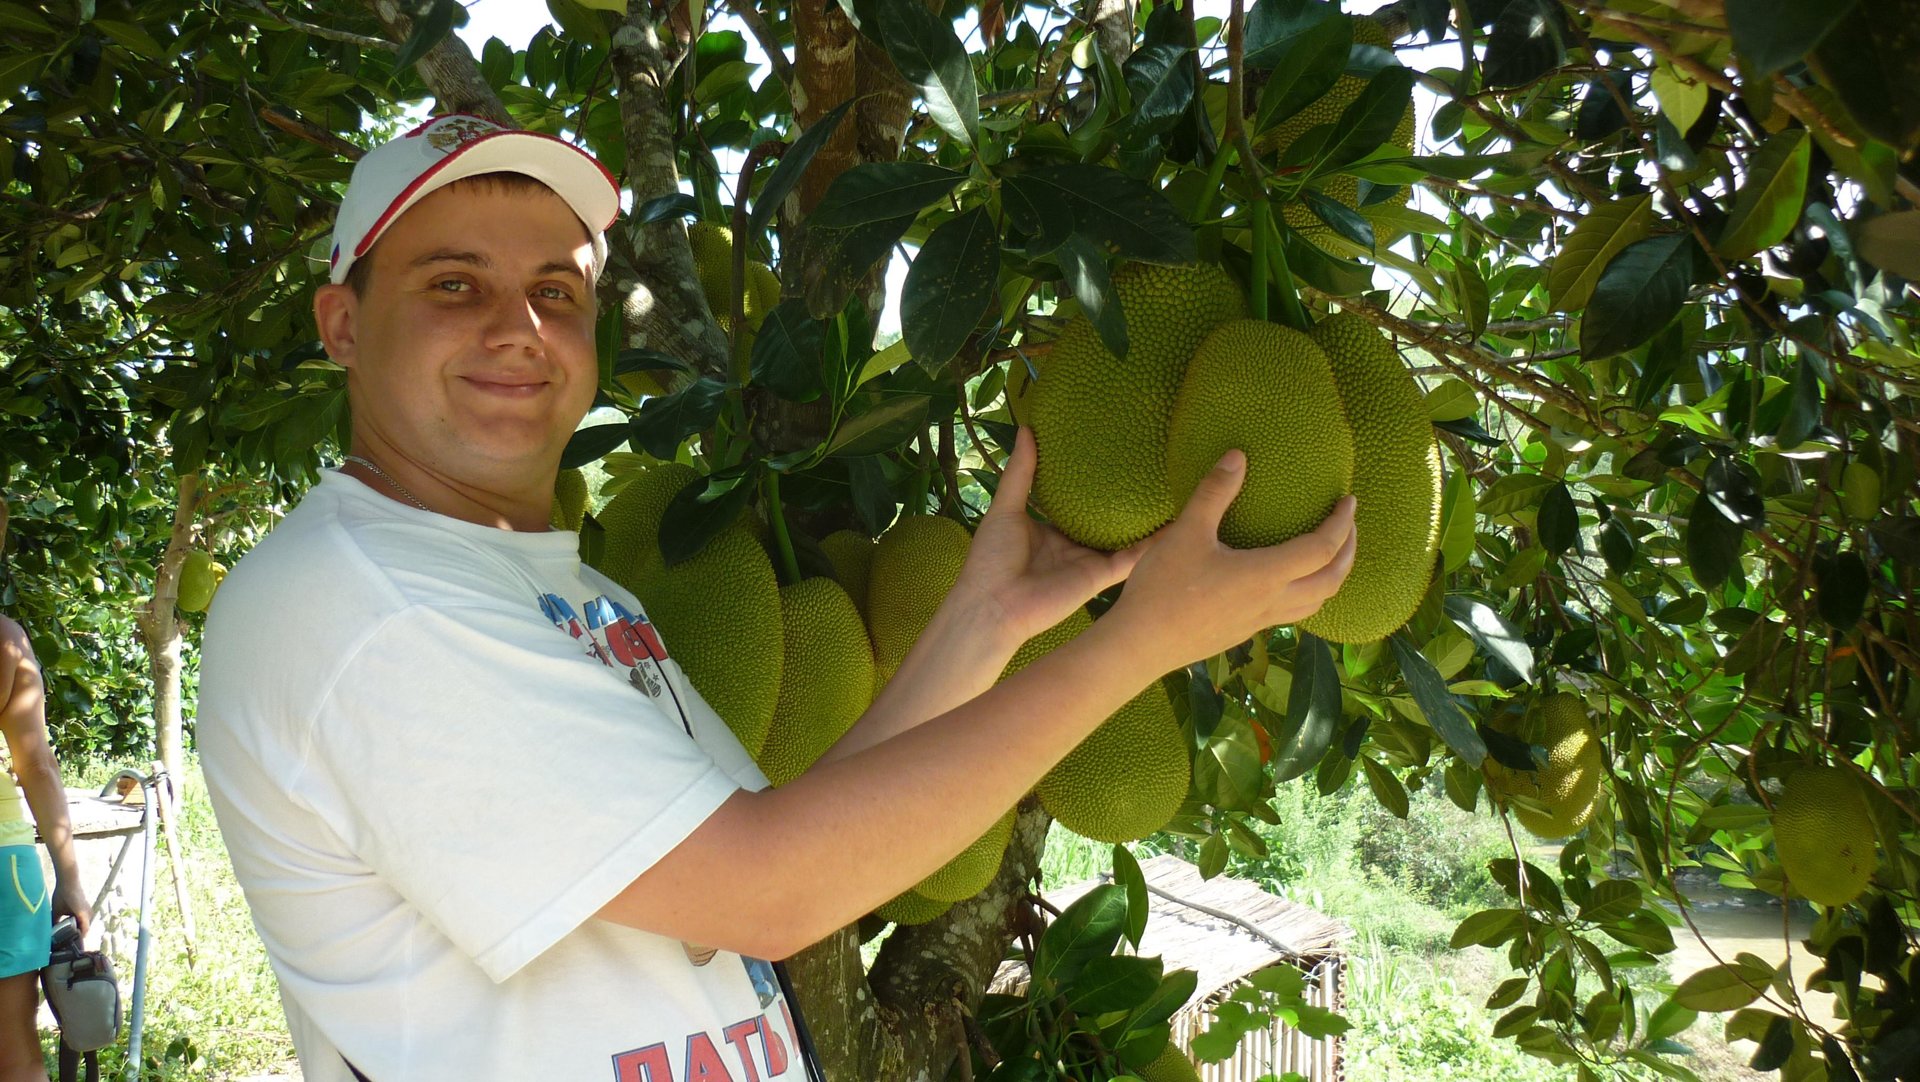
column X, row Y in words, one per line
column 1560, row 795
column 1823, row 833
column 712, row 247
column 1123, row 443
column 1327, row 109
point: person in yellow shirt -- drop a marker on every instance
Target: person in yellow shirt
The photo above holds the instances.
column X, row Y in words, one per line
column 27, row 909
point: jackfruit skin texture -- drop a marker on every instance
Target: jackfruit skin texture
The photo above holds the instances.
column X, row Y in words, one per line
column 196, row 582
column 1568, row 785
column 852, row 557
column 718, row 612
column 569, row 500
column 1127, row 778
column 969, row 873
column 912, row 908
column 1269, row 391
column 1396, row 485
column 1100, row 422
column 1823, row 833
column 826, row 677
column 1171, row 1065
column 1047, row 641
column 712, row 247
column 914, row 566
column 632, row 522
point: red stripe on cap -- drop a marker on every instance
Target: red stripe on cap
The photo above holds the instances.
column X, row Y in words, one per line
column 380, row 224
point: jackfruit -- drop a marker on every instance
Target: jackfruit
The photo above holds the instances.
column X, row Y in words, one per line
column 1327, row 109
column 1568, row 785
column 569, row 500
column 852, row 557
column 632, row 522
column 712, row 247
column 1101, row 422
column 968, row 873
column 914, row 566
column 718, row 611
column 1047, row 641
column 195, row 584
column 1823, row 833
column 1171, row 1065
column 1269, row 391
column 1127, row 778
column 911, row 908
column 1396, row 485
column 826, row 677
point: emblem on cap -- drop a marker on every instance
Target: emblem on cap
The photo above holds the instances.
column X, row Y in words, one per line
column 455, row 131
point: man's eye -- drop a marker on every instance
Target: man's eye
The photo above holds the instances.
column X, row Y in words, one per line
column 452, row 285
column 555, row 293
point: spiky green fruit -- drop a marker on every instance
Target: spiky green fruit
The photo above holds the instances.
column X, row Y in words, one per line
column 1127, row 778
column 968, row 873
column 1269, row 391
column 914, row 566
column 826, row 677
column 1823, row 833
column 569, row 500
column 1567, row 786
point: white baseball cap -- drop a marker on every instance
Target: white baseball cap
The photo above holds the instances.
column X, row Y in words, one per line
column 393, row 176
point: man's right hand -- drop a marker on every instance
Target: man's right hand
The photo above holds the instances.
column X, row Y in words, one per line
column 1191, row 596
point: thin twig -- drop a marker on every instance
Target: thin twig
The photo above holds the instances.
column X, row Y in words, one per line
column 350, row 38
column 747, row 13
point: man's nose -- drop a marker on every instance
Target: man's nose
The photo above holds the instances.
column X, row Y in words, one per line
column 513, row 323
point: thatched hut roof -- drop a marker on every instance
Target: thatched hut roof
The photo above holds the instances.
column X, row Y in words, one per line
column 1221, row 928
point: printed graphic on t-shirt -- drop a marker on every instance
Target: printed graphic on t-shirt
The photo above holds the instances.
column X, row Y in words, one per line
column 755, row 1049
column 619, row 639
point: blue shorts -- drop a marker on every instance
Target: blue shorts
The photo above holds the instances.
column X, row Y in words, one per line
column 26, row 911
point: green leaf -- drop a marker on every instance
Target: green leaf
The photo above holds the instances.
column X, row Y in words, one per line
column 1841, row 592
column 1769, row 202
column 890, row 422
column 1487, row 928
column 1313, row 710
column 1116, row 982
column 1304, row 45
column 1176, row 988
column 1803, row 406
column 1724, row 987
column 1734, row 488
column 1159, row 78
column 1559, row 520
column 1524, row 44
column 949, row 286
column 1343, row 220
column 1770, row 35
column 1892, row 242
column 786, row 352
column 1682, row 99
column 1668, row 1020
column 1456, row 521
column 1085, row 268
column 592, row 444
column 1441, row 710
column 1387, row 789
column 1495, row 634
column 698, row 512
column 1471, row 291
column 928, row 54
column 1127, row 873
column 1611, row 900
column 1227, row 771
column 1107, row 206
column 1617, row 545
column 878, row 191
column 1089, row 928
column 793, row 164
column 1640, row 291
column 1369, row 120
column 1600, row 235
column 838, row 259
column 665, row 421
column 1452, row 400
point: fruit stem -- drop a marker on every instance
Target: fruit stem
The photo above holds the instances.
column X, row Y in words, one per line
column 788, row 563
column 1291, row 313
column 1262, row 240
column 1216, row 177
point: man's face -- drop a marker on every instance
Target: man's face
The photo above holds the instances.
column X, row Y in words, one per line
column 471, row 352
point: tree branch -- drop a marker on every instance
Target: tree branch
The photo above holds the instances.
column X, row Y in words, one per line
column 361, row 40
column 762, row 33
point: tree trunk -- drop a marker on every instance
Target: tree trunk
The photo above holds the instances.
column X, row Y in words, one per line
column 160, row 631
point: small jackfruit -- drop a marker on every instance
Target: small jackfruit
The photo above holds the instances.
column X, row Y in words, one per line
column 1269, row 391
column 852, row 557
column 1100, row 422
column 1171, row 1065
column 914, row 566
column 826, row 677
column 1396, row 485
column 569, row 500
column 196, row 582
column 968, row 873
column 1823, row 833
column 1567, row 786
column 1127, row 778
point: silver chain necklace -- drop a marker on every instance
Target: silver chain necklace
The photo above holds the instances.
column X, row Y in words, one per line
column 388, row 478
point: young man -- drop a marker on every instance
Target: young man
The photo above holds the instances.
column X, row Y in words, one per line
column 473, row 847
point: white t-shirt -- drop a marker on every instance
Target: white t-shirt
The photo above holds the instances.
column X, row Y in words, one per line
column 437, row 749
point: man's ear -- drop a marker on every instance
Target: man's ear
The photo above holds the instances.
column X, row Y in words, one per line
column 336, row 311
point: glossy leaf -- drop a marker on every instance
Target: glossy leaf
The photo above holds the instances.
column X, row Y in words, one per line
column 1600, row 235
column 1768, row 204
column 881, row 191
column 1638, row 293
column 1437, row 704
column 786, row 352
column 949, row 286
column 1313, row 710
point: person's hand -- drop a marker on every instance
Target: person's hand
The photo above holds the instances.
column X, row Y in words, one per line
column 70, row 900
column 1027, row 575
column 1191, row 596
